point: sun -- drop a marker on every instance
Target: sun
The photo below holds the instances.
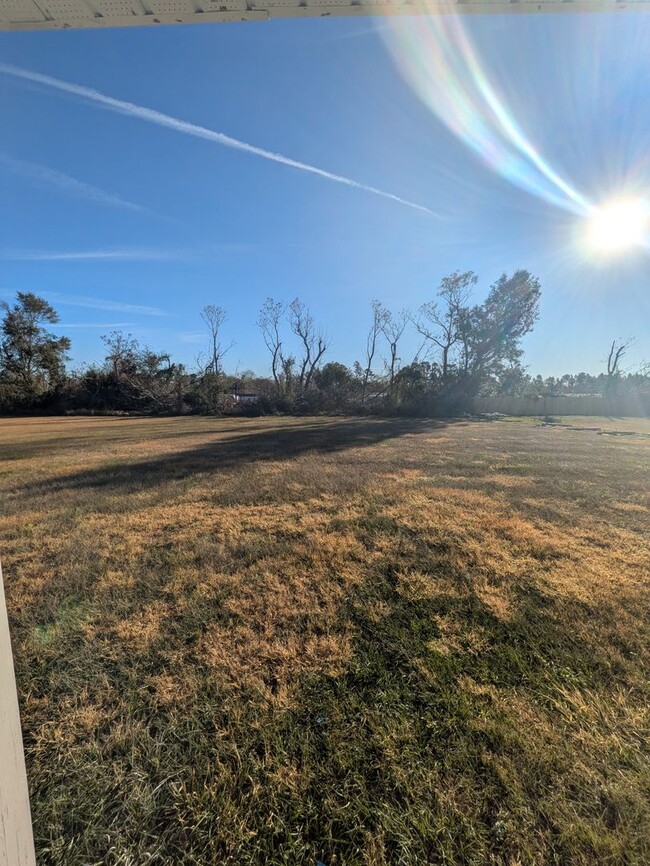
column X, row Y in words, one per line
column 618, row 226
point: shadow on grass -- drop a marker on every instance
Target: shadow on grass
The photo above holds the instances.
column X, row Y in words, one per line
column 65, row 442
column 233, row 452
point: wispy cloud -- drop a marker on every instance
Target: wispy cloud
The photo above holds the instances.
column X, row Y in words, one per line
column 67, row 184
column 165, row 120
column 123, row 255
column 192, row 337
column 64, row 326
column 374, row 28
column 102, row 304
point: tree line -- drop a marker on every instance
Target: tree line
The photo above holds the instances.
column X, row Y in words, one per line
column 464, row 350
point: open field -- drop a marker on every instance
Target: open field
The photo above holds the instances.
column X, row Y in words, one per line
column 351, row 641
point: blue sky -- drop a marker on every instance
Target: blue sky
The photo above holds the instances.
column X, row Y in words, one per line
column 126, row 220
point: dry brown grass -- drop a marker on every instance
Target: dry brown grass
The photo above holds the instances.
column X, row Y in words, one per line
column 276, row 641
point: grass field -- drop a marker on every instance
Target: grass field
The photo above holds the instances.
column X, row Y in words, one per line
column 349, row 641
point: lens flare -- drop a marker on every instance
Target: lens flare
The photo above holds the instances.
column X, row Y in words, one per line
column 441, row 61
column 617, row 226
column 437, row 57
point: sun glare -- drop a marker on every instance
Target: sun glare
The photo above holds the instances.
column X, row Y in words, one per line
column 618, row 226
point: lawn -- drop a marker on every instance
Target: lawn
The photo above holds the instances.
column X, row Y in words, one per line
column 340, row 640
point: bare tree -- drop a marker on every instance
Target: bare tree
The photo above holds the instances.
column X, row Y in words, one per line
column 214, row 317
column 617, row 350
column 122, row 355
column 393, row 327
column 314, row 342
column 156, row 380
column 268, row 322
column 142, row 375
column 378, row 319
column 440, row 323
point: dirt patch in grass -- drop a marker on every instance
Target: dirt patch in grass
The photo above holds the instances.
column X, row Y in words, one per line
column 359, row 642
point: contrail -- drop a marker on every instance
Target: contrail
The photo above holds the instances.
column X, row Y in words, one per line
column 121, row 255
column 160, row 119
column 65, row 182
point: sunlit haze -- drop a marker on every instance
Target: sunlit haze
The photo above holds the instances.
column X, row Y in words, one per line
column 148, row 172
column 618, row 226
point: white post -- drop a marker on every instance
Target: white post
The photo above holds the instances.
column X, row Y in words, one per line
column 16, row 837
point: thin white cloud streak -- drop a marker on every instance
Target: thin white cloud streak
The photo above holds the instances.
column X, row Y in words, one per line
column 64, row 326
column 126, row 255
column 103, row 304
column 375, row 28
column 165, row 120
column 67, row 184
column 190, row 337
column 92, row 303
